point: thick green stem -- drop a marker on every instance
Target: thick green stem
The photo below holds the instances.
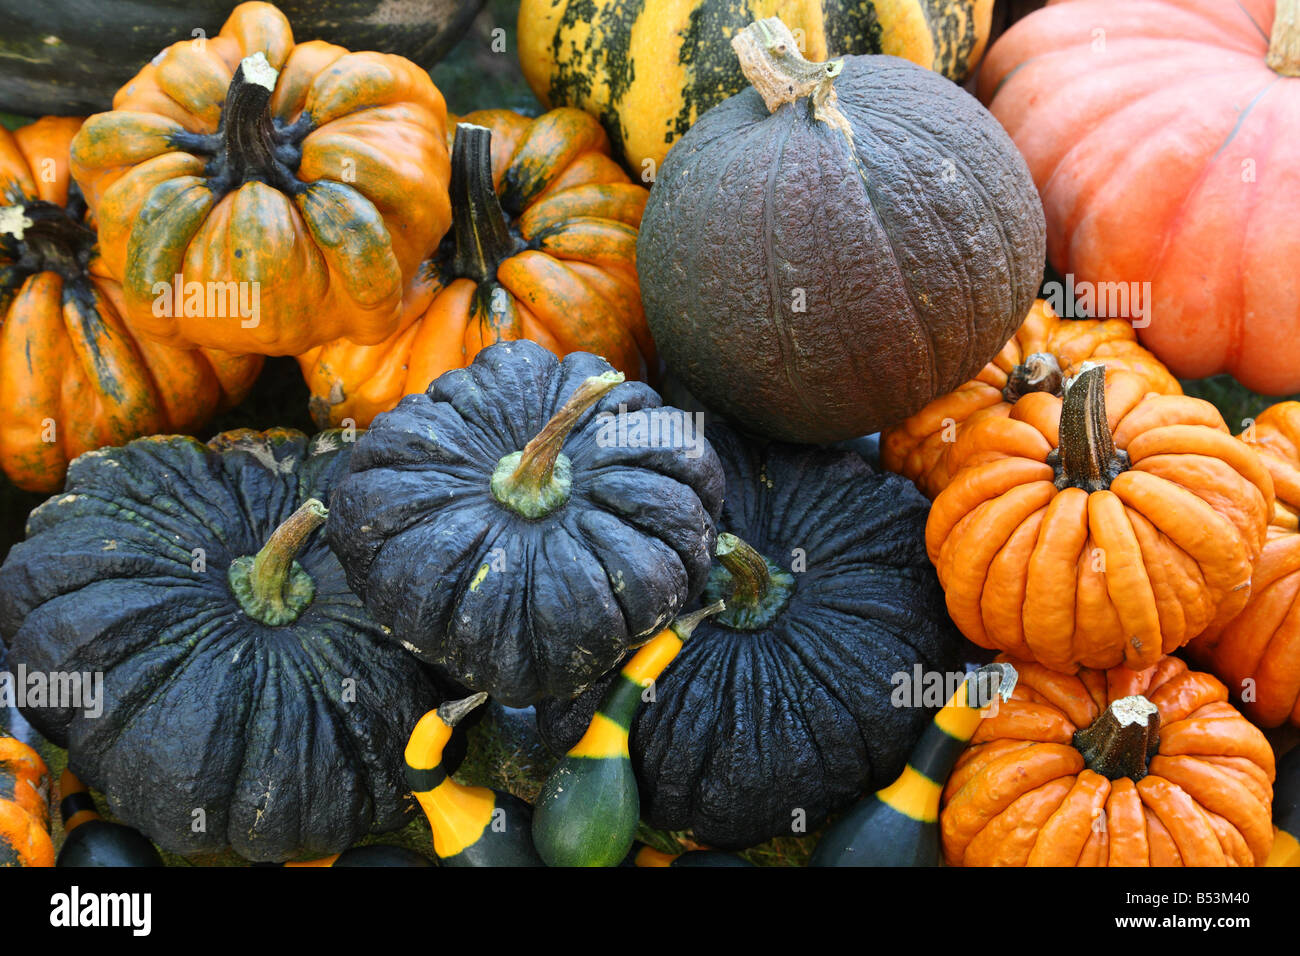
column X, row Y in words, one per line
column 750, row 578
column 535, row 481
column 478, row 223
column 1122, row 741
column 271, row 586
column 1284, row 42
column 1086, row 456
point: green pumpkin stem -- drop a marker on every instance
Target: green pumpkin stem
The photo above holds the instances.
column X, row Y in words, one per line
column 1086, row 456
column 248, row 136
column 685, row 625
column 453, row 712
column 271, row 586
column 1040, row 372
column 535, row 481
column 1284, row 42
column 1122, row 741
column 750, row 577
column 478, row 223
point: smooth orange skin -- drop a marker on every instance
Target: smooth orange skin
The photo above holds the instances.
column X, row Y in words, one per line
column 88, row 378
column 574, row 289
column 1121, row 576
column 332, row 261
column 919, row 448
column 1163, row 147
column 24, row 803
column 1021, row 796
column 1259, row 649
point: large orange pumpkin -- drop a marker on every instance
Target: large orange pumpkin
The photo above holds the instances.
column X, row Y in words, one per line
column 1162, row 137
column 1112, row 768
column 1257, row 653
column 1107, row 528
column 307, row 179
column 542, row 247
column 1044, row 352
column 74, row 375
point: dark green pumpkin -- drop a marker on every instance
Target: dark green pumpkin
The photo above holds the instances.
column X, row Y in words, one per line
column 539, row 590
column 772, row 717
column 54, row 58
column 823, row 271
column 287, row 737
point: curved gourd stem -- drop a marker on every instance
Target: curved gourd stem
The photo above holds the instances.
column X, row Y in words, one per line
column 1040, row 372
column 271, row 587
column 1122, row 741
column 750, row 577
column 770, row 59
column 1284, row 41
column 1086, row 456
column 478, row 223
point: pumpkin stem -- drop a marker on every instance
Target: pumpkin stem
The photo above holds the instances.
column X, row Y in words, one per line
column 478, row 223
column 1040, row 372
column 756, row 589
column 536, row 481
column 1284, row 42
column 271, row 586
column 248, row 132
column 1086, row 456
column 1122, row 741
column 453, row 712
column 770, row 59
column 685, row 625
column 750, row 577
column 40, row 236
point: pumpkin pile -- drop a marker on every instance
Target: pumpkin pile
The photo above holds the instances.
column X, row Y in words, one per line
column 730, row 623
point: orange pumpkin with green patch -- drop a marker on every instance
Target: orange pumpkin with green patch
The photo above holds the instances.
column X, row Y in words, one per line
column 24, row 806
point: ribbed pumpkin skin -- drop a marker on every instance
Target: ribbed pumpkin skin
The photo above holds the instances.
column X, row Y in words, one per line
column 1262, row 643
column 79, row 73
column 522, row 607
column 748, row 726
column 647, row 71
column 67, row 356
column 1116, row 576
column 571, row 287
column 24, row 805
column 1155, row 132
column 205, row 707
column 908, row 285
column 1021, row 795
column 919, row 447
column 359, row 139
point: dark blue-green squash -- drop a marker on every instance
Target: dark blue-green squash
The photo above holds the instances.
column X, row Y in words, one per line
column 270, row 723
column 510, row 532
column 778, row 711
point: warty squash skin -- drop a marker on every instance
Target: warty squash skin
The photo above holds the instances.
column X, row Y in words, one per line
column 1045, row 351
column 776, row 713
column 1053, row 780
column 24, row 806
column 502, row 529
column 317, row 174
column 542, row 246
column 649, row 70
column 1109, row 528
column 241, row 677
column 826, row 252
column 1257, row 653
column 1161, row 136
column 74, row 373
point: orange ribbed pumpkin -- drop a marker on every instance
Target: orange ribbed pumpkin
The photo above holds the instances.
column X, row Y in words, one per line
column 1107, row 528
column 24, row 806
column 1257, row 653
column 1045, row 351
column 1112, row 768
column 1162, row 137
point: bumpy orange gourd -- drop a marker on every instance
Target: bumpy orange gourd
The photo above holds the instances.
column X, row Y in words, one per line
column 312, row 179
column 543, row 247
column 74, row 374
column 1109, row 528
column 24, row 806
column 1161, row 136
column 1112, row 768
column 1045, row 351
column 1257, row 653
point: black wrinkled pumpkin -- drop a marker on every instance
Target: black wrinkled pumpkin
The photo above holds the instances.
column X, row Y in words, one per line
column 508, row 532
column 287, row 736
column 784, row 704
column 826, row 252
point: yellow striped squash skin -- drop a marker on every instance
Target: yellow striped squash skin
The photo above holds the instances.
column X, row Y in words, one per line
column 647, row 69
